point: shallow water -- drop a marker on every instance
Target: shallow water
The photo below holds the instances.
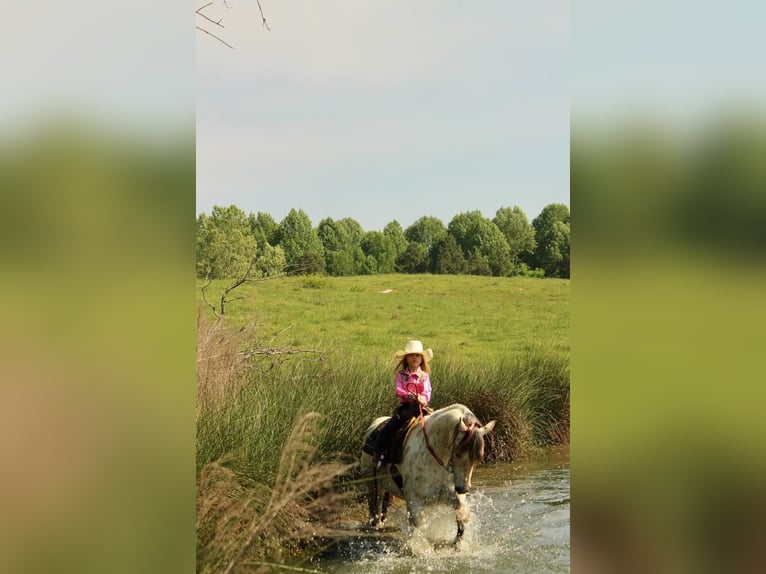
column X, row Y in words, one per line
column 519, row 523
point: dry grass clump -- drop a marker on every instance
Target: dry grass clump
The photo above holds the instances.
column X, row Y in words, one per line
column 559, row 429
column 221, row 364
column 246, row 527
column 512, row 437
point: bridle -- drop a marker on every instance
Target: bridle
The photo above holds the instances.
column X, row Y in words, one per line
column 449, row 467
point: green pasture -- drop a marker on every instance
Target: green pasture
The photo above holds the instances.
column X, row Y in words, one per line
column 462, row 318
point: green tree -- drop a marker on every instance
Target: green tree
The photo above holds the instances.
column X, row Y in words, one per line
column 355, row 235
column 413, row 260
column 475, row 233
column 381, row 247
column 334, row 241
column 310, row 263
column 447, row 257
column 518, row 232
column 225, row 246
column 562, row 233
column 370, row 266
column 393, row 229
column 427, row 231
column 353, row 229
column 301, row 244
column 333, row 236
column 340, row 239
column 271, row 262
column 478, row 263
column 553, row 240
column 264, row 229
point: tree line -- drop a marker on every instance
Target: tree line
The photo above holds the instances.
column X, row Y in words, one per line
column 231, row 243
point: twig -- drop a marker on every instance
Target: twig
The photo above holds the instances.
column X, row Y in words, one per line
column 216, row 37
column 246, row 278
column 283, row 567
column 250, row 352
column 263, row 18
column 204, row 297
column 283, row 331
column 217, row 23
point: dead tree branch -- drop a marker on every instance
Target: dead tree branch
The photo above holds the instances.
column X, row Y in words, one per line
column 216, row 22
column 198, row 11
column 216, row 37
column 263, row 18
column 246, row 277
column 219, row 21
column 274, row 351
column 207, row 302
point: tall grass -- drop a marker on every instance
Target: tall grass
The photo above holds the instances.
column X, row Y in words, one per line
column 528, row 396
column 253, row 517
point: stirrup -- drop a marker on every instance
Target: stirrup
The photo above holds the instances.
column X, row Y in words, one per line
column 380, row 461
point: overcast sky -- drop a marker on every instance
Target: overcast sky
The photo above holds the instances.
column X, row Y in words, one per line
column 384, row 110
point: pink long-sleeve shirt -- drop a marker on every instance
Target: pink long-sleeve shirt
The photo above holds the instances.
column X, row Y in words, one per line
column 419, row 378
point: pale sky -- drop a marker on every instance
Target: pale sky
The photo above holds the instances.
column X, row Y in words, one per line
column 384, row 110
column 124, row 64
column 680, row 61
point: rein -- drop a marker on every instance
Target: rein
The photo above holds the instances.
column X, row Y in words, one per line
column 428, row 443
column 468, row 434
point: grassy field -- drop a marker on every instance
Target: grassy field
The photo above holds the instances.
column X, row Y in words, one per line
column 463, row 318
column 278, row 433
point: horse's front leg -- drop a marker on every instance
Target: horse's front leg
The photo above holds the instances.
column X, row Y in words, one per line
column 415, row 514
column 384, row 506
column 462, row 516
column 372, row 501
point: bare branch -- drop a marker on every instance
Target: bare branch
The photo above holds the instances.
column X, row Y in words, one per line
column 273, row 351
column 204, row 298
column 217, row 23
column 246, row 278
column 263, row 18
column 280, row 333
column 199, row 10
column 216, row 37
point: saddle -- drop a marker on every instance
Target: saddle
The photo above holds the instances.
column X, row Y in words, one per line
column 396, row 447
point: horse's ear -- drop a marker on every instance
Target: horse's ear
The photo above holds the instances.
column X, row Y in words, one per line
column 462, row 427
column 488, row 427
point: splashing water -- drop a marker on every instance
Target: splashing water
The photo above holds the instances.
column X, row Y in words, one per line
column 519, row 524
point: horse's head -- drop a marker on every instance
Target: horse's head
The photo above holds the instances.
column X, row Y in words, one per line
column 468, row 451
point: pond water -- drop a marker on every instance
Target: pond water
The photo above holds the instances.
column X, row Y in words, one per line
column 519, row 523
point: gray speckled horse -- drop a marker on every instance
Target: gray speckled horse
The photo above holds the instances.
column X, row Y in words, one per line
column 436, row 466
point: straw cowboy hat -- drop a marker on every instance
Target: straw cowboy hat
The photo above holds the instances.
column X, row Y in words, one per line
column 415, row 348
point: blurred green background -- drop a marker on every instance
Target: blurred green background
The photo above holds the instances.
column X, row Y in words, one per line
column 668, row 308
column 97, row 264
column 96, row 351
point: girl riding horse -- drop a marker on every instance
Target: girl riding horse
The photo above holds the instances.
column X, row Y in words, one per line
column 413, row 388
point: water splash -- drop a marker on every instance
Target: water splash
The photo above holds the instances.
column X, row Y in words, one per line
column 522, row 528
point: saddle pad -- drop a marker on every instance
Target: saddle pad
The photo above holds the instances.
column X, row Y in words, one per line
column 397, row 441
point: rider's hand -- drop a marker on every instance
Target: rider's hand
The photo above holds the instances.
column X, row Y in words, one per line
column 410, row 397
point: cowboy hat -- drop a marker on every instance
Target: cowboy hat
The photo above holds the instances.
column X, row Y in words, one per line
column 415, row 348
